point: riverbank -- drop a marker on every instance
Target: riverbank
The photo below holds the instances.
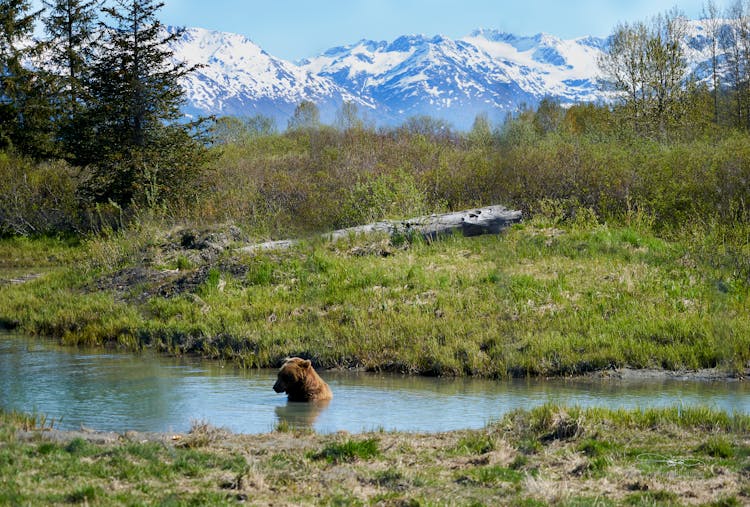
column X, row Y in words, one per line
column 542, row 299
column 551, row 455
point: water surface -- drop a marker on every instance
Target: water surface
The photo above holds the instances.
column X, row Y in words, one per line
column 118, row 392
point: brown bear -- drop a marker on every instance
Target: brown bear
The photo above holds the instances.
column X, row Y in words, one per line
column 300, row 382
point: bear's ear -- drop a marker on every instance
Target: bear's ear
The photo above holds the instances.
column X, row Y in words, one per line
column 306, row 363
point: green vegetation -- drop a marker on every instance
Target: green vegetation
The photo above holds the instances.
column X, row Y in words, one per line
column 121, row 227
column 670, row 151
column 635, row 252
column 544, row 298
column 101, row 92
column 654, row 457
column 349, row 451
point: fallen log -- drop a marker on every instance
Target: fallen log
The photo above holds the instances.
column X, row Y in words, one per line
column 473, row 222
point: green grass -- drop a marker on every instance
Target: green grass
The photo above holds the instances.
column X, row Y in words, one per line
column 348, row 451
column 717, row 447
column 475, row 443
column 533, row 301
column 564, row 422
column 43, row 252
column 81, row 472
column 615, row 457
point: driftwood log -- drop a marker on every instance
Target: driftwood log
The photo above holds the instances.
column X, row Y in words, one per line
column 473, row 222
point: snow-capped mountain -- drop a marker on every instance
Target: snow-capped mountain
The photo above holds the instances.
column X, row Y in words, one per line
column 487, row 71
column 544, row 65
column 235, row 77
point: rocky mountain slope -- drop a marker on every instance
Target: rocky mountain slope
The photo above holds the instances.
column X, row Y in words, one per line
column 487, row 71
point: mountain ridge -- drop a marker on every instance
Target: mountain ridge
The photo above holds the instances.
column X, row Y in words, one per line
column 488, row 71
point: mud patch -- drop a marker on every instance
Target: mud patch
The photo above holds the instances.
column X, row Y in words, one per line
column 139, row 284
column 707, row 374
column 196, row 252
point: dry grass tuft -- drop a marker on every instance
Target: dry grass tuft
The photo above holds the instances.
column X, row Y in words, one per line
column 203, row 434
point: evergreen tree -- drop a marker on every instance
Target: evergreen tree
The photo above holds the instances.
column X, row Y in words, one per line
column 71, row 30
column 24, row 107
column 71, row 26
column 142, row 152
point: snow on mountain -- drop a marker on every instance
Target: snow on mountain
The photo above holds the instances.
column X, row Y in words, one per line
column 544, row 65
column 487, row 71
column 236, row 77
column 697, row 49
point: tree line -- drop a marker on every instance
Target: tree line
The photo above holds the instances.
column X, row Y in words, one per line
column 102, row 91
column 91, row 133
column 646, row 67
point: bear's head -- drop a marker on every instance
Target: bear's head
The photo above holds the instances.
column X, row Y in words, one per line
column 299, row 380
column 292, row 374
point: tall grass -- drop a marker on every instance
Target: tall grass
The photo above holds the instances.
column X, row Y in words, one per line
column 538, row 300
column 27, row 421
column 564, row 422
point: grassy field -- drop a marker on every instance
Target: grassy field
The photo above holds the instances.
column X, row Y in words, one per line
column 541, row 299
column 551, row 455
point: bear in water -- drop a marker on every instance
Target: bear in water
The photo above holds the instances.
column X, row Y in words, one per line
column 300, row 381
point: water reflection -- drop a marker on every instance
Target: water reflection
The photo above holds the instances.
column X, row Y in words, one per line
column 300, row 415
column 118, row 392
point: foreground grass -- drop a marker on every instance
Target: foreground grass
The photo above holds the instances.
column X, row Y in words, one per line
column 537, row 300
column 551, row 455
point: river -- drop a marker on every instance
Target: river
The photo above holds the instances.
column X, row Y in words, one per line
column 113, row 391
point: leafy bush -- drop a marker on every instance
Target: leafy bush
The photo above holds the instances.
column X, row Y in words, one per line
column 382, row 196
column 37, row 198
column 320, row 178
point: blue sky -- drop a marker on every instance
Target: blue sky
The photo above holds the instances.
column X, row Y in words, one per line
column 294, row 29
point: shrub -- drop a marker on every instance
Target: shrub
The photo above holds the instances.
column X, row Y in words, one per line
column 37, row 198
column 383, row 196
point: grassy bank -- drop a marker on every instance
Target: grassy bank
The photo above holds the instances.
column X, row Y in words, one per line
column 544, row 298
column 547, row 456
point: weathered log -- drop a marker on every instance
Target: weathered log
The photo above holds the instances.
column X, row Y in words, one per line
column 473, row 222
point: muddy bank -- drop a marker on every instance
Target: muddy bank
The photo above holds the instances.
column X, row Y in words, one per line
column 707, row 374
